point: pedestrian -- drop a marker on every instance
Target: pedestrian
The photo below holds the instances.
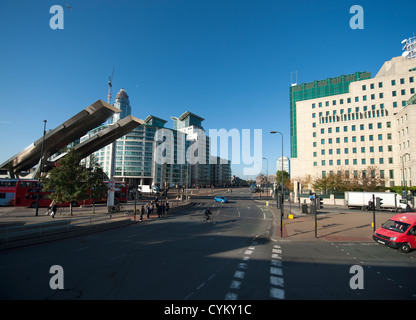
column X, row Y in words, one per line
column 49, row 212
column 163, row 209
column 54, row 208
column 141, row 212
column 148, row 211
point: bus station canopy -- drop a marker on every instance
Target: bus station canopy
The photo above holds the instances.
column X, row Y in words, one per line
column 60, row 137
column 111, row 133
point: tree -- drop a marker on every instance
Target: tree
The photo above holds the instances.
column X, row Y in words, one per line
column 286, row 179
column 95, row 181
column 68, row 179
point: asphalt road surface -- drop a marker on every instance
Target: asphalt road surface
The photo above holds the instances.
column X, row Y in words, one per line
column 178, row 257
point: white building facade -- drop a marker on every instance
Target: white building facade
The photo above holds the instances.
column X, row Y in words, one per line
column 372, row 124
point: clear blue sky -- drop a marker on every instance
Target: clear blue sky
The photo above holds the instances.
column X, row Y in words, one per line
column 229, row 61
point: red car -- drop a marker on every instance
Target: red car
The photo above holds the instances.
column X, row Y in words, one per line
column 398, row 232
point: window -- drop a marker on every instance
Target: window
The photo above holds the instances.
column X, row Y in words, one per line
column 393, row 82
column 402, row 81
column 370, row 126
column 393, row 93
column 364, row 87
column 411, row 79
column 380, row 84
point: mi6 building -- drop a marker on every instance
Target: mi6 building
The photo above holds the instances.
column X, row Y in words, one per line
column 355, row 122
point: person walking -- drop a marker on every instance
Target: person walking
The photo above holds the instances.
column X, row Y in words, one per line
column 54, row 208
column 141, row 212
column 148, row 211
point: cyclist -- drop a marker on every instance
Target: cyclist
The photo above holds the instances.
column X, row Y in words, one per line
column 207, row 212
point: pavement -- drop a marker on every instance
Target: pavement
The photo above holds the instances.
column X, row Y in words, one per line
column 19, row 226
column 334, row 223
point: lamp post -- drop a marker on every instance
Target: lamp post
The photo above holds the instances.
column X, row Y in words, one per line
column 281, row 207
column 404, row 178
column 41, row 168
column 267, row 177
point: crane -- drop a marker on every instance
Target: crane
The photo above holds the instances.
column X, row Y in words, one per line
column 110, row 79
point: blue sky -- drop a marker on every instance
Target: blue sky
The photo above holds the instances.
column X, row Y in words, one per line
column 229, row 61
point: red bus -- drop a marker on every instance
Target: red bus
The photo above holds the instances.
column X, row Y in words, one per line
column 7, row 191
column 120, row 194
column 23, row 193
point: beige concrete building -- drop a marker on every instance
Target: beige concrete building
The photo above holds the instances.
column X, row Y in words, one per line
column 372, row 122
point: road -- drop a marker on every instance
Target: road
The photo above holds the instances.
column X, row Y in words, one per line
column 179, row 258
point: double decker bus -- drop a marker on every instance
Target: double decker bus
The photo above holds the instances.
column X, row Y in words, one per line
column 23, row 193
column 120, row 194
column 7, row 191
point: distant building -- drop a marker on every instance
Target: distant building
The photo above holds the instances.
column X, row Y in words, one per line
column 286, row 164
column 138, row 155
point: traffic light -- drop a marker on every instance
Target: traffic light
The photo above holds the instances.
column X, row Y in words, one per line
column 319, row 203
column 379, row 203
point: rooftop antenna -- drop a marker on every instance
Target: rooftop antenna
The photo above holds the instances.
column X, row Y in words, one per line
column 110, row 80
column 409, row 48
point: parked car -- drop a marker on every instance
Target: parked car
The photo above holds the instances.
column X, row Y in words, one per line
column 220, row 199
column 398, row 232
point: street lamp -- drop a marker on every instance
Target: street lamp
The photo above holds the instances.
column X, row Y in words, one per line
column 404, row 178
column 41, row 168
column 267, row 177
column 281, row 207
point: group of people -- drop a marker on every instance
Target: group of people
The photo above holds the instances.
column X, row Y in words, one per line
column 160, row 207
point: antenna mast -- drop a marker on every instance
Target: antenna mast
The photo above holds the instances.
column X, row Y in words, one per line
column 109, row 87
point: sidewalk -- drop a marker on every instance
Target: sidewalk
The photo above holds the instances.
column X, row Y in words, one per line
column 333, row 223
column 19, row 226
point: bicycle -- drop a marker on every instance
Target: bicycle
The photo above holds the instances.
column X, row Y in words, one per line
column 210, row 219
column 117, row 209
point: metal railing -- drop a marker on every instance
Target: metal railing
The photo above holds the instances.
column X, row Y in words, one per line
column 47, row 228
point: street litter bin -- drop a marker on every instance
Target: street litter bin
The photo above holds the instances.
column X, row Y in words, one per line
column 304, row 208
